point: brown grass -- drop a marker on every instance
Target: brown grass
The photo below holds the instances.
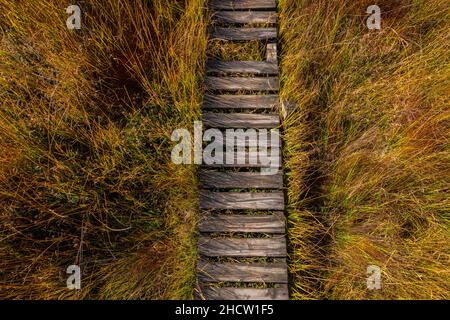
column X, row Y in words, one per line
column 367, row 148
column 85, row 170
column 86, row 176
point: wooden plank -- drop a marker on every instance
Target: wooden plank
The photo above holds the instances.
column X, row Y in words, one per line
column 245, row 17
column 240, row 120
column 242, row 272
column 273, row 223
column 242, row 247
column 249, row 150
column 250, row 160
column 243, row 34
column 241, row 67
column 271, row 53
column 233, row 84
column 240, row 101
column 253, row 139
column 230, row 293
column 214, row 179
column 242, row 200
column 242, row 4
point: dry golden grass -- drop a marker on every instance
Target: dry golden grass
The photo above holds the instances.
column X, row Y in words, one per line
column 85, row 170
column 85, row 124
column 236, row 51
column 367, row 148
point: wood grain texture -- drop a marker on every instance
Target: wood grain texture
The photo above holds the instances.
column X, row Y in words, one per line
column 270, row 224
column 274, row 223
column 233, row 84
column 243, row 34
column 252, row 138
column 240, row 102
column 272, row 53
column 242, row 200
column 232, row 89
column 241, row 4
column 251, row 160
column 240, row 120
column 242, row 272
column 245, row 17
column 242, row 247
column 230, row 293
column 210, row 179
column 241, row 67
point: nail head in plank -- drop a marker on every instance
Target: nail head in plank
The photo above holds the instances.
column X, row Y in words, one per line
column 233, row 84
column 240, row 101
column 245, row 17
column 242, row 247
column 242, row 4
column 243, row 67
column 242, row 200
column 242, row 272
column 244, row 34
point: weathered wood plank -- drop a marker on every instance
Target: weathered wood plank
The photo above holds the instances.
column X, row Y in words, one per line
column 250, row 160
column 240, row 120
column 253, row 139
column 242, row 67
column 242, row 200
column 242, row 4
column 233, row 84
column 271, row 53
column 245, row 17
column 242, row 247
column 242, row 272
column 230, row 293
column 243, row 34
column 273, row 223
column 240, row 102
column 214, row 179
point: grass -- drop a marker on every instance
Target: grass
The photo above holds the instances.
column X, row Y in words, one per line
column 367, row 148
column 86, row 118
column 85, row 171
column 236, row 51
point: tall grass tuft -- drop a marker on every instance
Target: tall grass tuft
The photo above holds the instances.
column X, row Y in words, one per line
column 85, row 171
column 367, row 148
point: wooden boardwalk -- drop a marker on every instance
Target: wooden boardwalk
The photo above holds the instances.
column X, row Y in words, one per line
column 242, row 243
